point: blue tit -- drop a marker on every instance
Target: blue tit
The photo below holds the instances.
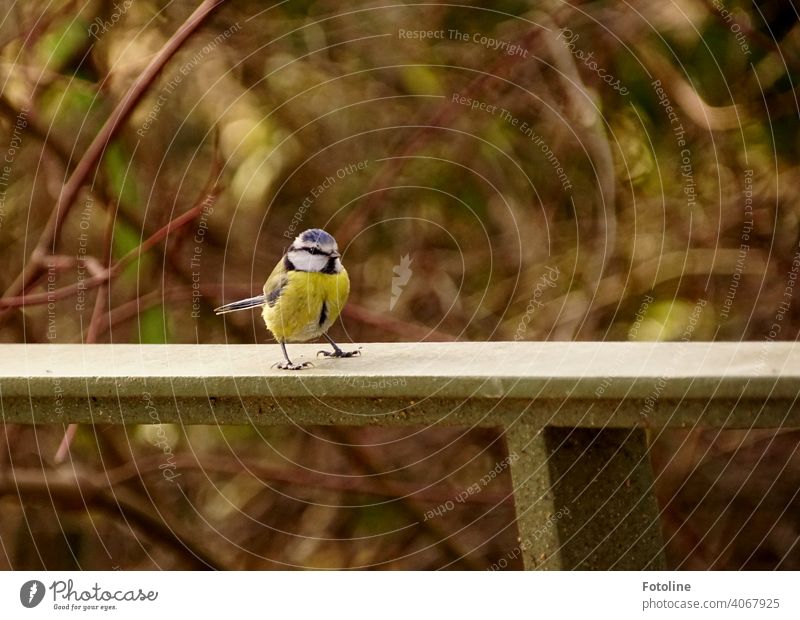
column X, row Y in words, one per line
column 303, row 295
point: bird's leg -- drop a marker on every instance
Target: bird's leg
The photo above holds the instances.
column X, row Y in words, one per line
column 288, row 365
column 337, row 352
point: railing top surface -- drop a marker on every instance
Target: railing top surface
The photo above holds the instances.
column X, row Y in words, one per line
column 454, row 370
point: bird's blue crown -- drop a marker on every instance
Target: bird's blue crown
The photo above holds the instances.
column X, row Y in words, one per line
column 317, row 235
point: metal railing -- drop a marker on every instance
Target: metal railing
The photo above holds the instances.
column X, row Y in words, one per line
column 576, row 415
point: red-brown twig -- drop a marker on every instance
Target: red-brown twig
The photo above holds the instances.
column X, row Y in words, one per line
column 211, row 190
column 134, row 307
column 93, row 154
column 104, row 291
column 95, row 281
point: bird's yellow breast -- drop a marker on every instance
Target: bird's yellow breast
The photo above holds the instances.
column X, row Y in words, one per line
column 308, row 304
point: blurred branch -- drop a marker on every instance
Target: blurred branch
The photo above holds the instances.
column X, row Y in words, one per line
column 302, row 477
column 370, row 465
column 107, row 274
column 394, row 326
column 94, row 266
column 588, row 124
column 134, row 307
column 616, row 289
column 212, row 189
column 74, row 492
column 50, row 143
column 94, row 153
column 32, row 125
column 744, row 26
column 443, row 117
column 103, row 297
column 710, row 118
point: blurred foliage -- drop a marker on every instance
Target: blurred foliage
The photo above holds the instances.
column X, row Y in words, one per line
column 299, row 92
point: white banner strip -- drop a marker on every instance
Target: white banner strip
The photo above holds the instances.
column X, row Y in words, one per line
column 398, row 595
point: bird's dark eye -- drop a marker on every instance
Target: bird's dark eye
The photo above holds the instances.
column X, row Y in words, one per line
column 314, row 251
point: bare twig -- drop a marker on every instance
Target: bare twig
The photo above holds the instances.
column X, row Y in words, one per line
column 705, row 116
column 80, row 493
column 107, row 274
column 104, row 291
column 94, row 153
column 134, row 307
column 212, row 189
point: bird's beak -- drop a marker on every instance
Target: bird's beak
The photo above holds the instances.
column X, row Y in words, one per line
column 335, row 255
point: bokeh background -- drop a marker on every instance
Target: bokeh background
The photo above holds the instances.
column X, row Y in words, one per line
column 508, row 170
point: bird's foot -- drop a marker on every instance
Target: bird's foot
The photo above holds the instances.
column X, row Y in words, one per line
column 291, row 366
column 339, row 353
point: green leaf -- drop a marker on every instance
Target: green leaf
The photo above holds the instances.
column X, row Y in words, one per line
column 119, row 171
column 420, row 80
column 153, row 326
column 62, row 43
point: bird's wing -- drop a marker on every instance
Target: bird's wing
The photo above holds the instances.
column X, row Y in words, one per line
column 275, row 283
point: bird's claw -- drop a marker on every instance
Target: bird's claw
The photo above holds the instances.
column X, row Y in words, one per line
column 290, row 366
column 339, row 353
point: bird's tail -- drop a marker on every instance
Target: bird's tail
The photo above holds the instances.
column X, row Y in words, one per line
column 242, row 304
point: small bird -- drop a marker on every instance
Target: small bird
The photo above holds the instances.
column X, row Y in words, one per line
column 303, row 295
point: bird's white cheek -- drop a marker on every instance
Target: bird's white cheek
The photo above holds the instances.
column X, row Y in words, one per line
column 303, row 261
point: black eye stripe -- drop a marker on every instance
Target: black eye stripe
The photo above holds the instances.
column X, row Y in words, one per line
column 316, row 251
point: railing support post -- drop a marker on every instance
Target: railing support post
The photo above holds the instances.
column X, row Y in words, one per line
column 584, row 498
